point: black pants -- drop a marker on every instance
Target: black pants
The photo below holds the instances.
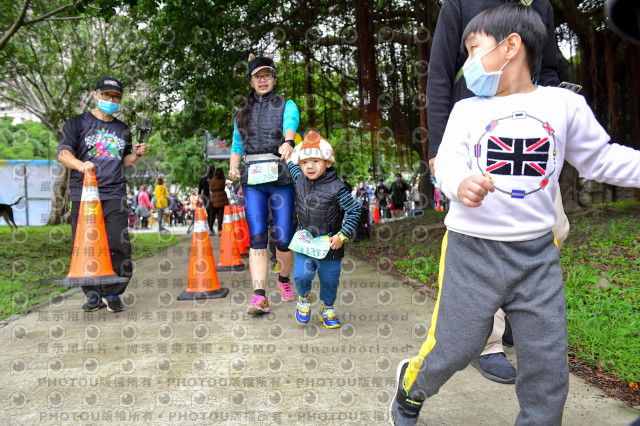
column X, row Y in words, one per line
column 173, row 218
column 211, row 211
column 219, row 213
column 115, row 222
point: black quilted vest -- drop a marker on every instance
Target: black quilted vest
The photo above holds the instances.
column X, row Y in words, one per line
column 318, row 210
column 266, row 135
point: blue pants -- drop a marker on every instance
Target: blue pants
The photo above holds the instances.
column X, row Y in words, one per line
column 304, row 271
column 257, row 200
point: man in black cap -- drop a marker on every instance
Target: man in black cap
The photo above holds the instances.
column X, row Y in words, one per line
column 98, row 141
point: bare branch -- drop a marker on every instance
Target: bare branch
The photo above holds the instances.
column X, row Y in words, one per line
column 26, row 106
column 16, row 25
column 68, row 18
column 53, row 12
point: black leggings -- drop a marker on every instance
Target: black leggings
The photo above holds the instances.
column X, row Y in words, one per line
column 219, row 213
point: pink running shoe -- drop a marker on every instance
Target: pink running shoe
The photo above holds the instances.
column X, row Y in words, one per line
column 259, row 305
column 285, row 288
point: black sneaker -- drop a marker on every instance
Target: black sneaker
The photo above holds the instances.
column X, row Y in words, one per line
column 114, row 304
column 496, row 367
column 404, row 411
column 92, row 304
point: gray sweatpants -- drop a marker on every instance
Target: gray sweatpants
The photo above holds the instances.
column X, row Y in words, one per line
column 477, row 277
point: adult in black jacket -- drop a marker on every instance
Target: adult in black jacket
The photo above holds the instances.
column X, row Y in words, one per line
column 264, row 130
column 445, row 87
column 447, row 59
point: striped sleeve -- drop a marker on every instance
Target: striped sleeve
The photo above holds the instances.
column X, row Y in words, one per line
column 352, row 209
column 295, row 170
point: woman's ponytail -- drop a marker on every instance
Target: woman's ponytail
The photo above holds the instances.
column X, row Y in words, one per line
column 242, row 116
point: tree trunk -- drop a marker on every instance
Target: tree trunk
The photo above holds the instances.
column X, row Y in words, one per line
column 367, row 76
column 308, row 74
column 423, row 39
column 345, row 114
column 59, row 207
column 423, row 60
column 395, row 106
column 569, row 187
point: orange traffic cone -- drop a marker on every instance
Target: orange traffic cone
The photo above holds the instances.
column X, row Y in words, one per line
column 245, row 226
column 238, row 232
column 90, row 259
column 202, row 281
column 376, row 213
column 229, row 259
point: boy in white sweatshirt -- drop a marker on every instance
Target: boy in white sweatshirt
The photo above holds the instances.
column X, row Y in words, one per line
column 499, row 163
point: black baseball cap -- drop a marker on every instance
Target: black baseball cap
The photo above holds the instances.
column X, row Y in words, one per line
column 259, row 62
column 109, row 84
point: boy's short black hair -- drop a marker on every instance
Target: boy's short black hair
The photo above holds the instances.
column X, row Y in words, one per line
column 500, row 21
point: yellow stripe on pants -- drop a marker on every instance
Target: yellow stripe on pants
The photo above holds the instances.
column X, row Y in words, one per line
column 416, row 361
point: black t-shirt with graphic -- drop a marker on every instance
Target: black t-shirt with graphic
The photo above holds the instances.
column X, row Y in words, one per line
column 105, row 144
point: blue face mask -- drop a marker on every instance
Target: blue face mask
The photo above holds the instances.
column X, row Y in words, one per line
column 108, row 107
column 480, row 82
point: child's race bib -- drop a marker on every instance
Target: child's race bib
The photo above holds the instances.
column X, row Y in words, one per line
column 303, row 242
column 262, row 173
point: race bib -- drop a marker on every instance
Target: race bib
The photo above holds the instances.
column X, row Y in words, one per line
column 303, row 242
column 262, row 173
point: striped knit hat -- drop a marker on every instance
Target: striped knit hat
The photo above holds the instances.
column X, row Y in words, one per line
column 313, row 146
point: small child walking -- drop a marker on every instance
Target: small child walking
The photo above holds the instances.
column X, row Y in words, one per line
column 499, row 162
column 321, row 202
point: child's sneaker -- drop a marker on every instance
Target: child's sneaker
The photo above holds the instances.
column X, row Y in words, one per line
column 328, row 317
column 303, row 311
column 285, row 288
column 259, row 305
column 403, row 410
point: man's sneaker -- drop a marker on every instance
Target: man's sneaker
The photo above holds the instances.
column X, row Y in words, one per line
column 114, row 304
column 328, row 317
column 303, row 310
column 92, row 304
column 404, row 411
column 285, row 289
column 495, row 367
column 259, row 305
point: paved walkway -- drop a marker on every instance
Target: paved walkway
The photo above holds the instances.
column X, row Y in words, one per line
column 162, row 361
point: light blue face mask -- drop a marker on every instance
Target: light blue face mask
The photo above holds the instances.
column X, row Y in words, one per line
column 480, row 82
column 108, row 107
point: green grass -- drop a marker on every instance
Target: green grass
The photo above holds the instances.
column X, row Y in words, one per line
column 603, row 319
column 32, row 258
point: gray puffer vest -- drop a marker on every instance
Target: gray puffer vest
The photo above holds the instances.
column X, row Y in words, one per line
column 318, row 210
column 266, row 135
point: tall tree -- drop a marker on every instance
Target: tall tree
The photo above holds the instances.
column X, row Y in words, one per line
column 16, row 15
column 367, row 74
column 50, row 71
